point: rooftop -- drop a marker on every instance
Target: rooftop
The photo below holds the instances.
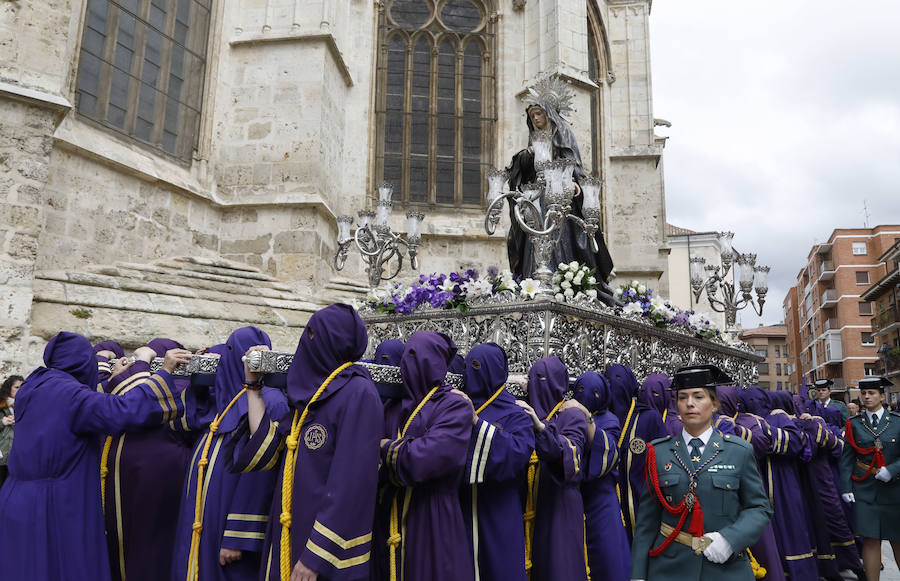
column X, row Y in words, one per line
column 778, row 330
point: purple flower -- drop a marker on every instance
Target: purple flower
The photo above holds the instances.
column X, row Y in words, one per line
column 493, row 272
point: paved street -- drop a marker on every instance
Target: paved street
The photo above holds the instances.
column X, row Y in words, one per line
column 891, row 572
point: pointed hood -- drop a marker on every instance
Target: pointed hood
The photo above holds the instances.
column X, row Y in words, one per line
column 624, row 387
column 230, row 373
column 425, row 361
column 161, row 345
column 729, row 396
column 73, row 354
column 110, row 346
column 333, row 336
column 389, row 352
column 593, row 392
column 754, row 401
column 781, row 400
column 548, row 380
column 486, row 370
column 655, row 392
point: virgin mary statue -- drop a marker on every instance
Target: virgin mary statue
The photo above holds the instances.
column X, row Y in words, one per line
column 545, row 105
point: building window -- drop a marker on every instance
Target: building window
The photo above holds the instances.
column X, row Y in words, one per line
column 765, row 384
column 761, row 350
column 434, row 100
column 865, row 308
column 778, row 369
column 870, row 368
column 862, row 277
column 786, row 353
column 763, row 368
column 868, row 338
column 141, row 70
column 859, row 249
column 777, row 351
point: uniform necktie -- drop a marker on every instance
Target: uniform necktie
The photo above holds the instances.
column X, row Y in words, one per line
column 874, row 420
column 695, row 444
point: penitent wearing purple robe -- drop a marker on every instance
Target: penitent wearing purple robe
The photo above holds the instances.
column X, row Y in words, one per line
column 234, row 507
column 393, row 398
column 557, row 547
column 51, row 518
column 790, row 522
column 641, row 424
column 501, row 445
column 756, row 431
column 608, row 553
column 428, row 460
column 332, row 495
column 836, row 548
column 145, row 474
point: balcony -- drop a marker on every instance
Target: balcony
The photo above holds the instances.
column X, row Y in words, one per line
column 829, row 299
column 886, row 321
column 833, row 350
column 826, row 270
column 824, row 248
column 831, row 324
column 893, row 365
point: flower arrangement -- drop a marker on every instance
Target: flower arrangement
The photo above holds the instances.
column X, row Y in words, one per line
column 639, row 300
column 449, row 291
column 574, row 281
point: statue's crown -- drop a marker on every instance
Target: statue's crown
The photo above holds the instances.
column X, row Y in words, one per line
column 552, row 90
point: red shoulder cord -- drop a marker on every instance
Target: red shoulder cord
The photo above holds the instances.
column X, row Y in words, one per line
column 877, row 455
column 681, row 509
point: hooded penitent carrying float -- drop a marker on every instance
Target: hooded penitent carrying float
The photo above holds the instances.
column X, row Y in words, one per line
column 52, row 517
column 689, row 497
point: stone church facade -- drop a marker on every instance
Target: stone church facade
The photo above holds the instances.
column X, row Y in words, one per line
column 175, row 167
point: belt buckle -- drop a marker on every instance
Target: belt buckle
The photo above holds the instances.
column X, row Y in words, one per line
column 700, row 544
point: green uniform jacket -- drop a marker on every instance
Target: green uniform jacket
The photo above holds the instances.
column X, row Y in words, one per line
column 6, row 436
column 841, row 407
column 871, row 491
column 734, row 503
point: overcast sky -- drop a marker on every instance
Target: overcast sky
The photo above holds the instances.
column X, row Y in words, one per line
column 785, row 118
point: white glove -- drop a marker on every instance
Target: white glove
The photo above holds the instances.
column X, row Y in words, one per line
column 883, row 474
column 720, row 549
column 848, row 497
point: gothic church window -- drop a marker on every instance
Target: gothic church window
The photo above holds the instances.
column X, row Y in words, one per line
column 141, row 70
column 435, row 100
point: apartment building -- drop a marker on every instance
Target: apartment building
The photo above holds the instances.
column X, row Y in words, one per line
column 770, row 342
column 792, row 338
column 833, row 321
column 885, row 296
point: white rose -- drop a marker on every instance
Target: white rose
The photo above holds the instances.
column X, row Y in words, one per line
column 592, row 280
column 569, row 293
column 641, row 288
column 573, row 265
column 578, row 278
column 563, row 266
column 569, row 275
column 559, row 296
column 593, row 294
column 566, row 284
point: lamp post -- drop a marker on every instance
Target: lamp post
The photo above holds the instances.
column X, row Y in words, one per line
column 375, row 241
column 542, row 207
column 721, row 293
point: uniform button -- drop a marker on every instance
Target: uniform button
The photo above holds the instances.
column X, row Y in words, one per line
column 727, row 486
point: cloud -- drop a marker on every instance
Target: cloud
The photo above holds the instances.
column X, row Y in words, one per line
column 786, row 119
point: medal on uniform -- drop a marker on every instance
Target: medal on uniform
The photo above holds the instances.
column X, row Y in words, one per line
column 878, row 444
column 637, row 446
column 689, row 498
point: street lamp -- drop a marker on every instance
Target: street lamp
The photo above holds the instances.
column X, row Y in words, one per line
column 376, row 242
column 721, row 293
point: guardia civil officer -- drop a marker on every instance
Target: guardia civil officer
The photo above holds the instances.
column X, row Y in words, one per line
column 870, row 473
column 823, row 394
column 704, row 502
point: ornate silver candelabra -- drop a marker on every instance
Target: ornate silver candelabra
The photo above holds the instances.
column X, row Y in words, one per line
column 376, row 242
column 554, row 188
column 720, row 292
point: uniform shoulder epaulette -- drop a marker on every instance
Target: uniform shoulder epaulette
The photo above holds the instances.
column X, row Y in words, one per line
column 893, row 413
column 737, row 440
column 661, row 440
column 857, row 416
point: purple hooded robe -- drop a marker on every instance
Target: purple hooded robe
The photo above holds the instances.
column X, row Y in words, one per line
column 608, row 553
column 51, row 518
column 501, row 445
column 639, row 422
column 428, row 460
column 336, row 467
column 104, row 367
column 790, row 522
column 557, row 548
column 146, row 471
column 235, row 507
